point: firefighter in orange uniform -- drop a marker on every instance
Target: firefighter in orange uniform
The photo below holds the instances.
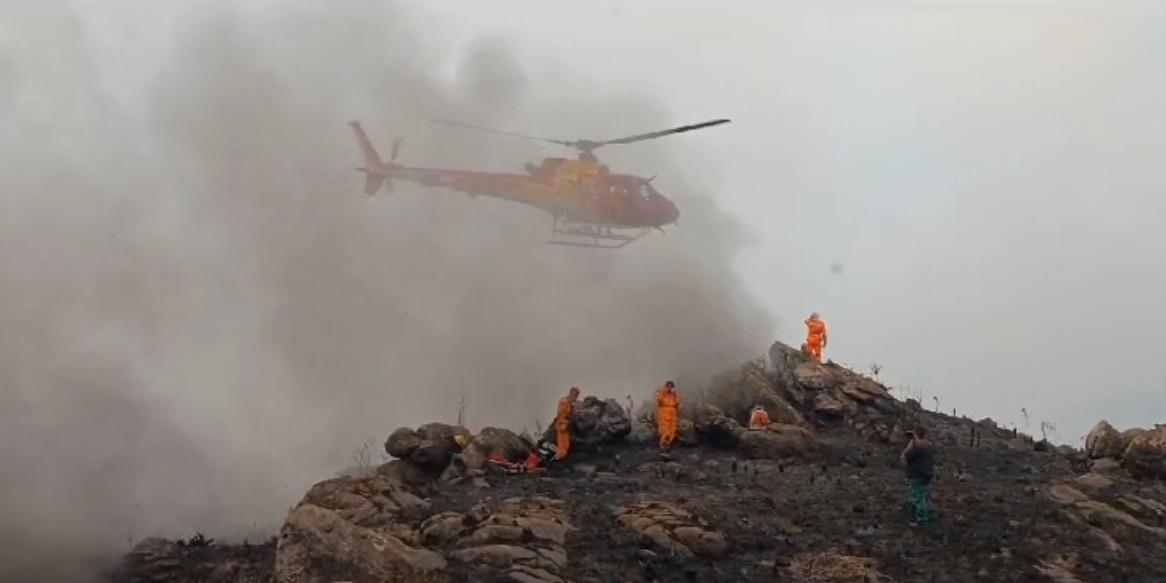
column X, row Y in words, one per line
column 816, row 336
column 759, row 419
column 667, row 413
column 563, row 423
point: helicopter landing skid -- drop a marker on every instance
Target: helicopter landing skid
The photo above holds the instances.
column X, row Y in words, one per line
column 591, row 236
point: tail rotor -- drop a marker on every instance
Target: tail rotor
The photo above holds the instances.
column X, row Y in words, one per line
column 376, row 172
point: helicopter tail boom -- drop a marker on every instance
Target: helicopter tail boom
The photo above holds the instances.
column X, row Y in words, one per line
column 376, row 172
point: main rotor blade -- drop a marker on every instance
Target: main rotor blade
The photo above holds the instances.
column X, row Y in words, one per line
column 662, row 133
column 494, row 131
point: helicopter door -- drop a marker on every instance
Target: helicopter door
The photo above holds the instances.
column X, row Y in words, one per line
column 566, row 179
column 611, row 202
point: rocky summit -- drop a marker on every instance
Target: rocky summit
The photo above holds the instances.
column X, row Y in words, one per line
column 816, row 497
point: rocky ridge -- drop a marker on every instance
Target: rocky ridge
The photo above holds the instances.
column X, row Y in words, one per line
column 816, row 497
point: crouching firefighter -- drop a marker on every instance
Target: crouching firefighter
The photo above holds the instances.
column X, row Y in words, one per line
column 759, row 418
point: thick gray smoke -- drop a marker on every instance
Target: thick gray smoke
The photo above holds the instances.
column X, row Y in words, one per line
column 202, row 314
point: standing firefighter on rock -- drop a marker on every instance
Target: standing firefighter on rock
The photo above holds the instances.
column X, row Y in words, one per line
column 563, row 423
column 816, row 336
column 667, row 414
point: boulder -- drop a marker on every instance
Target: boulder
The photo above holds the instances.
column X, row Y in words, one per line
column 785, row 359
column 686, row 433
column 1128, row 436
column 595, row 422
column 498, row 556
column 407, row 473
column 431, row 446
column 817, row 376
column 642, row 432
column 1145, row 456
column 402, row 443
column 828, row 407
column 488, row 442
column 600, row 421
column 1104, row 441
column 778, row 441
column 1093, row 483
column 437, row 444
column 870, row 387
column 737, row 392
column 442, row 528
column 713, row 427
column 317, row 545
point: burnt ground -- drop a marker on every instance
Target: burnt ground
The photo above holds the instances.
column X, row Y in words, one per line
column 996, row 520
column 1007, row 513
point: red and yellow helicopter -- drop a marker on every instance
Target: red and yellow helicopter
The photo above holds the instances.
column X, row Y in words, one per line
column 591, row 206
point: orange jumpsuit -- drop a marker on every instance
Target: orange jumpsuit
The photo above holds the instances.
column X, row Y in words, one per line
column 532, row 462
column 563, row 427
column 815, row 337
column 759, row 419
column 667, row 415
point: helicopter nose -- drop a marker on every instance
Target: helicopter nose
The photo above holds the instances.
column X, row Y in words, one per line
column 671, row 213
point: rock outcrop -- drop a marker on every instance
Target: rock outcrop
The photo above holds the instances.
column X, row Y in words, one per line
column 317, row 545
column 1104, row 441
column 671, row 529
column 520, row 539
column 356, row 529
column 375, row 529
column 1111, row 517
column 778, row 442
column 799, row 391
column 1141, row 452
column 1145, row 456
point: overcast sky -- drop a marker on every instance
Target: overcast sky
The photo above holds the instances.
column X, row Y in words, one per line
column 195, row 296
column 988, row 175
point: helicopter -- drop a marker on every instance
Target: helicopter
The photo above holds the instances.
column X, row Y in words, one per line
column 591, row 206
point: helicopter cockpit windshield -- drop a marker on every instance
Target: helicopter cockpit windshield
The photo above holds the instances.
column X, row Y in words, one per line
column 646, row 191
column 635, row 188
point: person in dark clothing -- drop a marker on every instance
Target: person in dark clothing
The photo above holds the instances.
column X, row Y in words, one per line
column 919, row 457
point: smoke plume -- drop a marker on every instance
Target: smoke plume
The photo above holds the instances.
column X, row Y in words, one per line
column 202, row 314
